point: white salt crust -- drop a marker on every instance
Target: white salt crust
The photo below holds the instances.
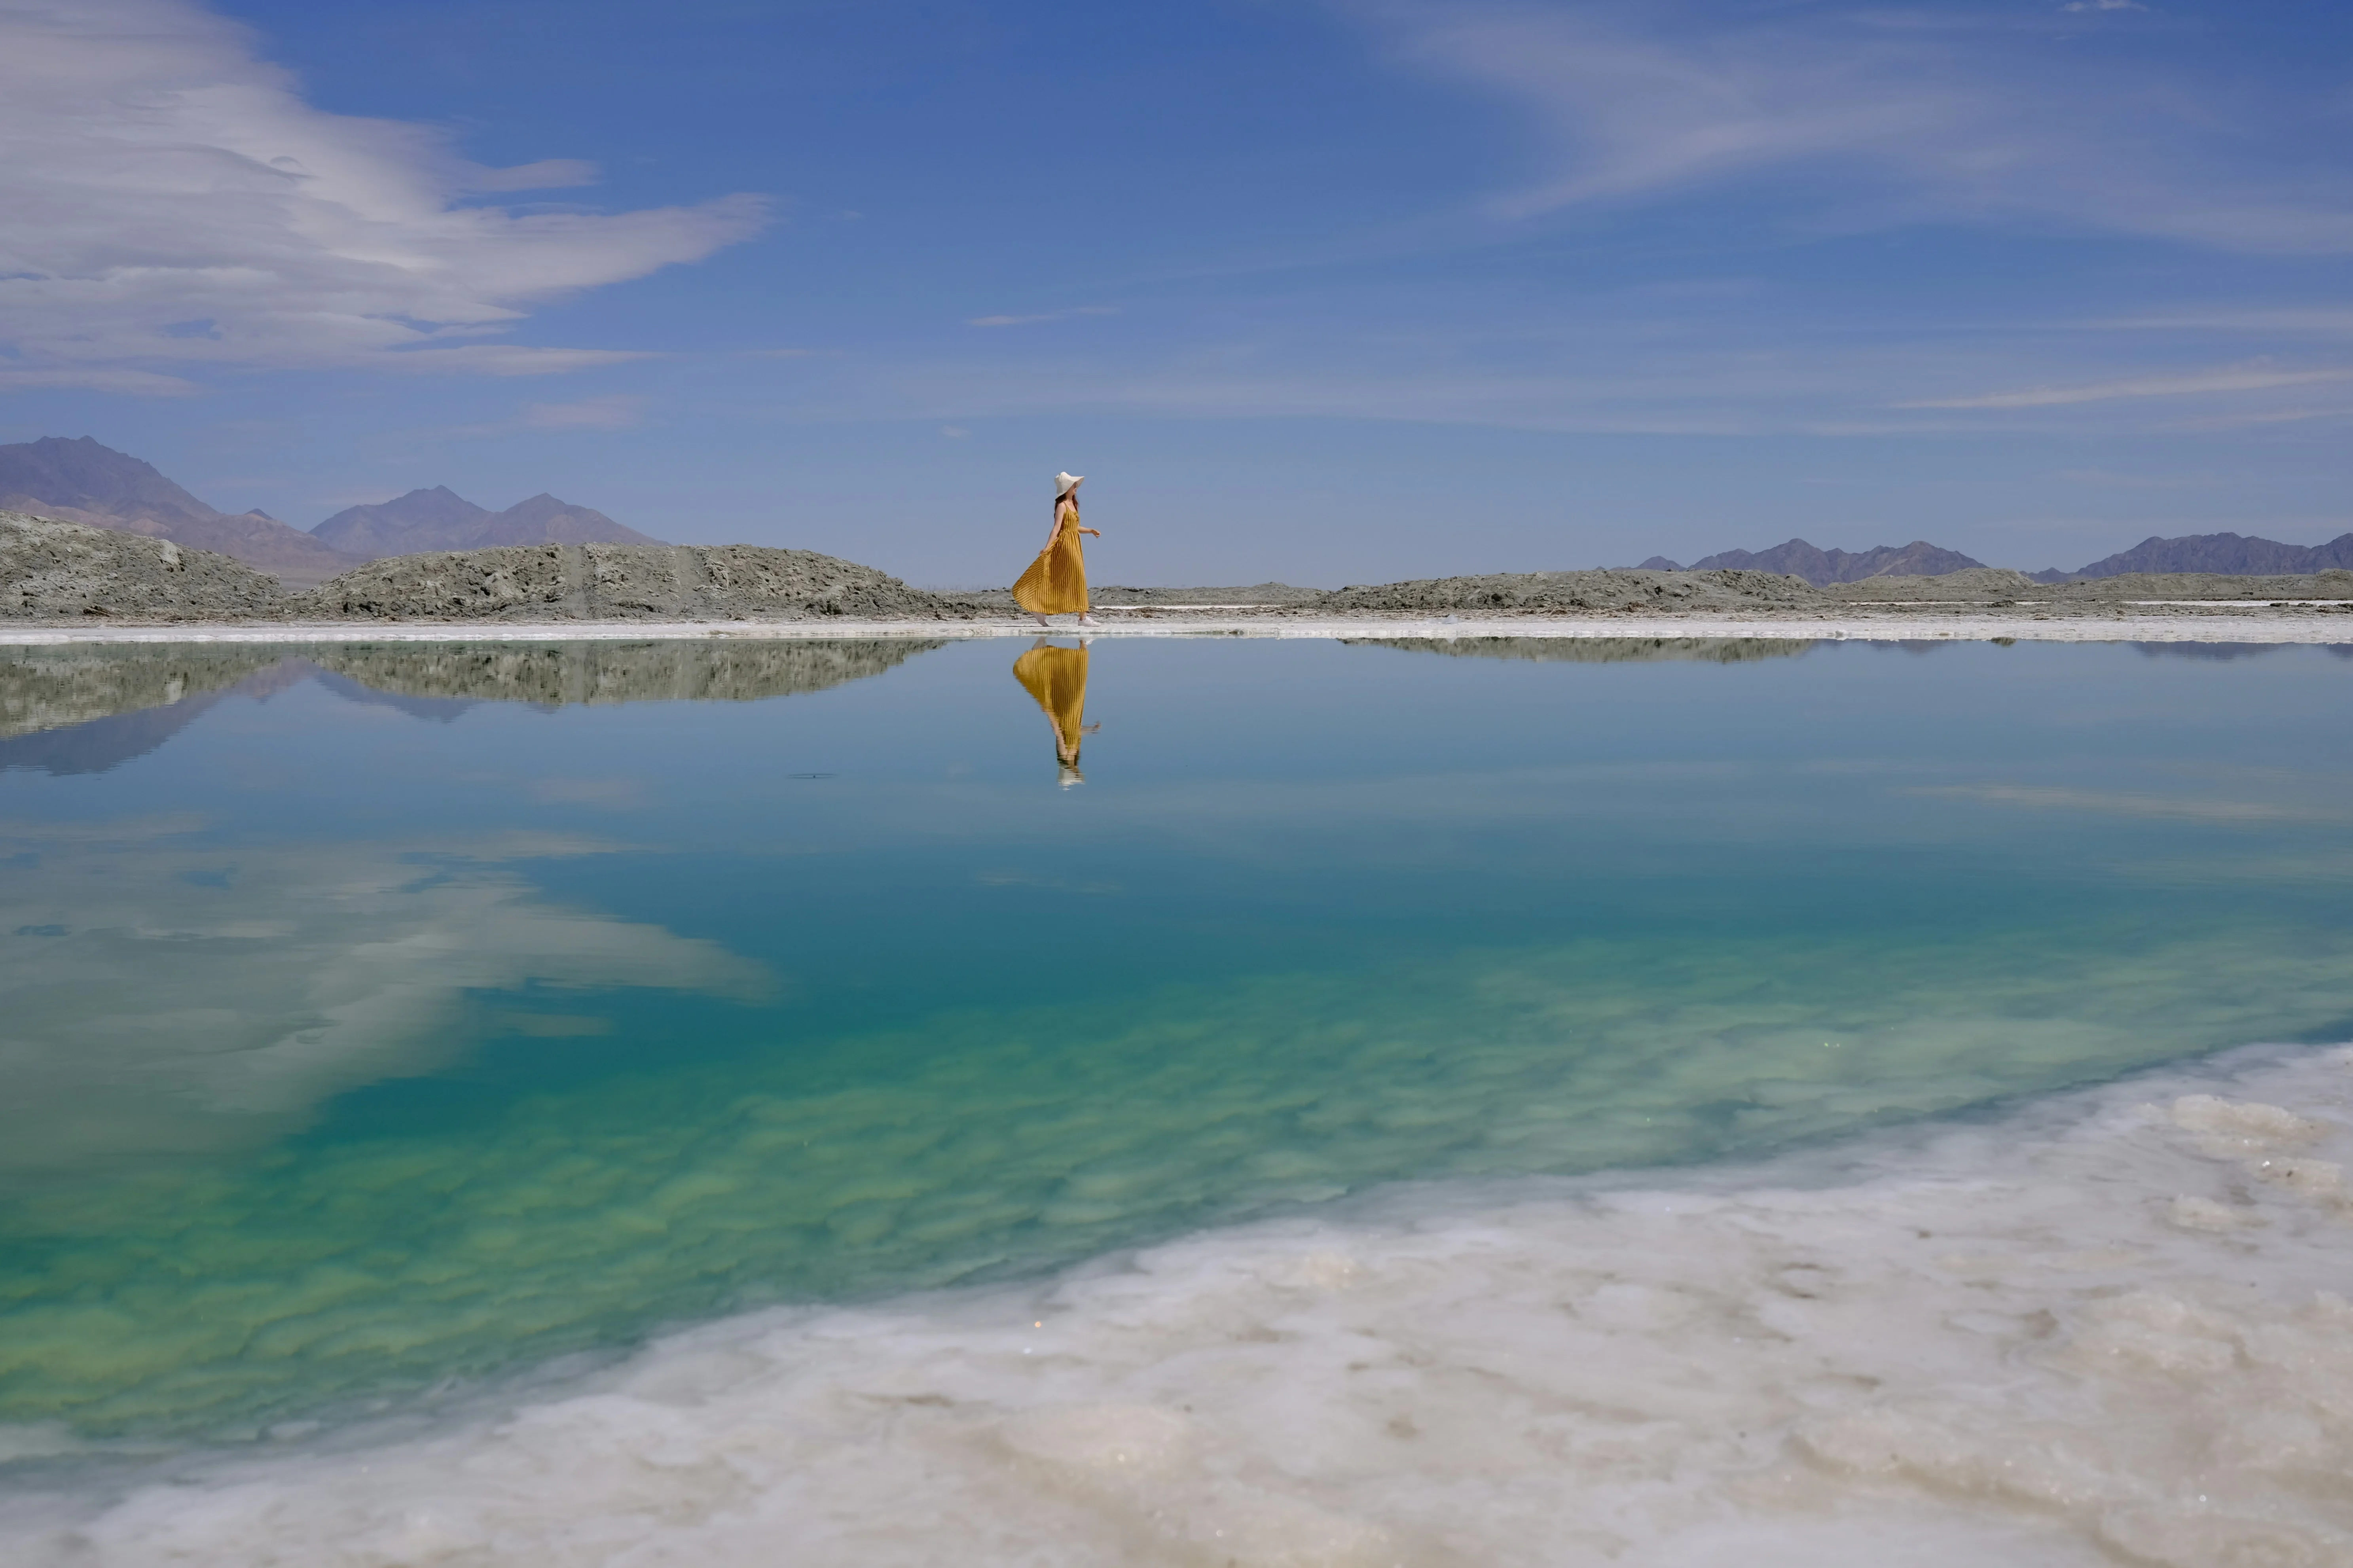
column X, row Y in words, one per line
column 2109, row 1329
column 2234, row 623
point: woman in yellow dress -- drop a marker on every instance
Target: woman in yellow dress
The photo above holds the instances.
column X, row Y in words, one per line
column 1057, row 678
column 1056, row 583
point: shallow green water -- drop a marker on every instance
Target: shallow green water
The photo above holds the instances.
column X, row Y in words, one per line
column 419, row 1015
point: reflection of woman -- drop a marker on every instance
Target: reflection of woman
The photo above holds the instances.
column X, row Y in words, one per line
column 1056, row 583
column 1057, row 678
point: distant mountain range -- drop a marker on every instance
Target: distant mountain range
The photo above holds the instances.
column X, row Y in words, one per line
column 438, row 519
column 1824, row 567
column 2226, row 553
column 83, row 481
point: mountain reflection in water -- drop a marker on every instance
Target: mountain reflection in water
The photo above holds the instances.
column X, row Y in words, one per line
column 85, row 709
column 556, row 674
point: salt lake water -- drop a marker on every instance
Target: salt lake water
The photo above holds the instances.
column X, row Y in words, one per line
column 1419, row 1102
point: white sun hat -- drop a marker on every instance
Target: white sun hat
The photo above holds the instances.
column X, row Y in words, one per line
column 1065, row 483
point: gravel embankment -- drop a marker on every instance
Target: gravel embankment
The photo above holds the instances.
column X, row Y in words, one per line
column 61, row 573
column 1279, row 593
column 541, row 583
column 1268, row 596
column 53, row 570
column 56, row 570
column 2215, row 586
column 1992, row 585
column 1570, row 592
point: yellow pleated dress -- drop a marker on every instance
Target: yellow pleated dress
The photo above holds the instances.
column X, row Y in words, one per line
column 1056, row 583
column 1057, row 678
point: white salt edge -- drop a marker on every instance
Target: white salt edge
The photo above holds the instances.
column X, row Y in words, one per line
column 2106, row 1328
column 2218, row 620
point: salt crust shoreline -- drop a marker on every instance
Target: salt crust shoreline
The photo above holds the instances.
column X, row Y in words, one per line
column 2224, row 627
column 2103, row 1327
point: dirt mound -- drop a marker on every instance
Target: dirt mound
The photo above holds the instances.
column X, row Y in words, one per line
column 2331, row 585
column 1995, row 586
column 558, row 673
column 1554, row 593
column 1598, row 650
column 1274, row 595
column 1259, row 593
column 1979, row 583
column 621, row 582
column 54, row 570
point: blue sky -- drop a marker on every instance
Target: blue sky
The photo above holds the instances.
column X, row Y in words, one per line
column 1332, row 292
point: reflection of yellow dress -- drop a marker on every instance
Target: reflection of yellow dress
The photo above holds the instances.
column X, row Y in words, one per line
column 1056, row 583
column 1057, row 678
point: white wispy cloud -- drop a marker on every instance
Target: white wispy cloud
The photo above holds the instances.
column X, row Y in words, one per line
column 139, row 382
column 1043, row 316
column 2289, row 319
column 1246, row 381
column 170, row 198
column 2228, row 378
column 2106, row 479
column 1872, row 116
column 2268, row 417
column 589, row 413
column 612, row 412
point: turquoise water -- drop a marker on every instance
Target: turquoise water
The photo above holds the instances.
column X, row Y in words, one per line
column 383, row 1022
